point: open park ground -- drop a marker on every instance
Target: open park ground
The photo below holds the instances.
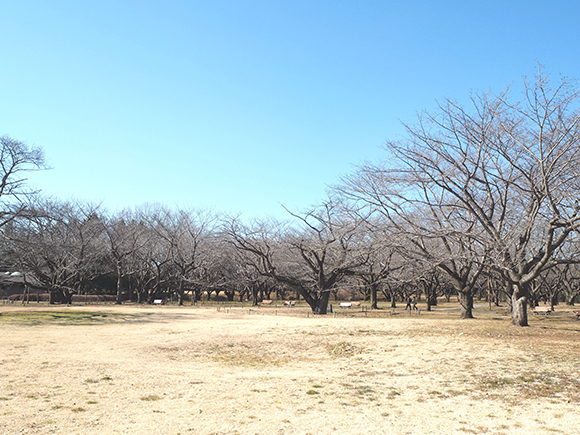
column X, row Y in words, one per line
column 104, row 369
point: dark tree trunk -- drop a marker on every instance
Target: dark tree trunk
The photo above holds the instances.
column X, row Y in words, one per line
column 432, row 299
column 66, row 296
column 430, row 295
column 180, row 292
column 394, row 299
column 519, row 307
column 374, row 289
column 554, row 299
column 256, row 290
column 321, row 306
column 389, row 293
column 466, row 301
column 195, row 295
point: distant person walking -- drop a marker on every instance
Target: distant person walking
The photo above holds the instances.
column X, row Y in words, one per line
column 409, row 300
column 415, row 303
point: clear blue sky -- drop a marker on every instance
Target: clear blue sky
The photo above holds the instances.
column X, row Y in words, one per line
column 241, row 106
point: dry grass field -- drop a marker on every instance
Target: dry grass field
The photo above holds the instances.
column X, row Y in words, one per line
column 169, row 370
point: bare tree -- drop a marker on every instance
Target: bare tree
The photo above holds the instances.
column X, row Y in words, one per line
column 312, row 258
column 382, row 262
column 570, row 281
column 151, row 261
column 188, row 234
column 126, row 235
column 425, row 228
column 508, row 169
column 59, row 245
column 16, row 159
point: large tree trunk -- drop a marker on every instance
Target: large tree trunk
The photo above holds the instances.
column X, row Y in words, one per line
column 374, row 305
column 196, row 295
column 180, row 292
column 393, row 299
column 65, row 296
column 554, row 299
column 430, row 296
column 432, row 299
column 256, row 295
column 519, row 307
column 321, row 306
column 466, row 301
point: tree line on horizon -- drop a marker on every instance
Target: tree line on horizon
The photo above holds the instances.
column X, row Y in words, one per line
column 482, row 199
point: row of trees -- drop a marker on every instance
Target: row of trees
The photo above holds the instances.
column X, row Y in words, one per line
column 142, row 255
column 477, row 199
column 488, row 192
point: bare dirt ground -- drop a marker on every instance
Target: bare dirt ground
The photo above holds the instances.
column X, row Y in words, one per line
column 169, row 370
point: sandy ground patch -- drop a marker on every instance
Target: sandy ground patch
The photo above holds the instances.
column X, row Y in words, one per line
column 144, row 370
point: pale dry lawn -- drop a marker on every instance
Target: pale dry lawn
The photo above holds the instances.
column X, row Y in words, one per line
column 169, row 370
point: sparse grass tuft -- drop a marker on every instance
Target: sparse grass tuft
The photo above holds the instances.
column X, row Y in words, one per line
column 244, row 355
column 530, row 385
column 151, row 398
column 496, row 382
column 344, row 349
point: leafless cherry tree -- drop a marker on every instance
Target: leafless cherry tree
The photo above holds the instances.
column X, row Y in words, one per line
column 126, row 234
column 570, row 281
column 311, row 258
column 507, row 169
column 16, row 159
column 188, row 234
column 59, row 245
column 426, row 230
